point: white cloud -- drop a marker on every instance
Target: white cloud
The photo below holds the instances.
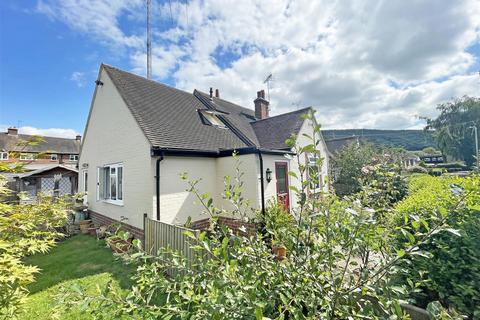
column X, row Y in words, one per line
column 79, row 78
column 359, row 63
column 48, row 132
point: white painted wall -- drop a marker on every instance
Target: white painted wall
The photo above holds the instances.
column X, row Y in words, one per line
column 249, row 165
column 176, row 204
column 112, row 136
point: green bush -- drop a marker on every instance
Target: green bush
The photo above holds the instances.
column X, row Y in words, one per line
column 450, row 272
column 417, row 169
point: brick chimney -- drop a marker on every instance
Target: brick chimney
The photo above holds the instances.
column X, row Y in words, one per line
column 261, row 105
column 217, row 93
column 12, row 131
column 78, row 137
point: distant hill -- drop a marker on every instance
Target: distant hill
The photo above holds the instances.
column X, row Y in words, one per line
column 408, row 139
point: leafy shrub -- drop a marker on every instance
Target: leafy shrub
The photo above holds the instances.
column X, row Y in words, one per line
column 450, row 272
column 25, row 229
column 417, row 169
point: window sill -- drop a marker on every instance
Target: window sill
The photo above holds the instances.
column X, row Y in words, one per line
column 116, row 203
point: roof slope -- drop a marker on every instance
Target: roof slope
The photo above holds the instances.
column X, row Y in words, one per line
column 272, row 132
column 10, row 142
column 336, row 145
column 168, row 116
column 170, row 119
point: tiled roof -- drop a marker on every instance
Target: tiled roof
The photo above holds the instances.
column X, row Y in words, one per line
column 334, row 146
column 168, row 116
column 11, row 142
column 273, row 131
column 170, row 119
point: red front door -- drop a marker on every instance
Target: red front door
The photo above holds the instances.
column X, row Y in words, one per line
column 281, row 172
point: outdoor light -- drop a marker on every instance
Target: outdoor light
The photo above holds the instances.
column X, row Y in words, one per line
column 269, row 175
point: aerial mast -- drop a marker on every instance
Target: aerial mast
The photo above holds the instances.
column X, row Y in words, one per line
column 149, row 41
column 267, row 80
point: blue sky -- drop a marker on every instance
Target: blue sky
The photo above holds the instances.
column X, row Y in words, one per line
column 358, row 65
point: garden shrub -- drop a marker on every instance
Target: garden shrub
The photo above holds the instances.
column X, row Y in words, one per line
column 417, row 169
column 450, row 272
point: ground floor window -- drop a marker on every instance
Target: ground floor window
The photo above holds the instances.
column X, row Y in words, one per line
column 3, row 155
column 110, row 183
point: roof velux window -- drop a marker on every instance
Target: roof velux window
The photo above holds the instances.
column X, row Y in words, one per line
column 210, row 117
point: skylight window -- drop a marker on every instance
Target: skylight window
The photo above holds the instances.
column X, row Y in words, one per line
column 210, row 117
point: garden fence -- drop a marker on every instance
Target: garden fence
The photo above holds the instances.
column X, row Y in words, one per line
column 163, row 235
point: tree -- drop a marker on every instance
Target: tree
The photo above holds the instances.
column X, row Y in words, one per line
column 350, row 161
column 452, row 128
column 25, row 229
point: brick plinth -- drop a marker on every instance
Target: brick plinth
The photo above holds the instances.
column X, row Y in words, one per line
column 101, row 220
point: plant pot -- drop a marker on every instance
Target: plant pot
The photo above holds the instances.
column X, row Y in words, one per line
column 280, row 252
column 87, row 222
column 119, row 246
column 92, row 231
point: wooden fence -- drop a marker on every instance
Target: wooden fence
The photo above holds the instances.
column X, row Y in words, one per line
column 163, row 235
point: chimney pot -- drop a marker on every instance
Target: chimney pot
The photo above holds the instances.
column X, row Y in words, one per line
column 12, row 131
column 211, row 92
column 217, row 93
column 78, row 137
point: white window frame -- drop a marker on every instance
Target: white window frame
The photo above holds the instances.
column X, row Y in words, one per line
column 105, row 195
column 4, row 156
column 53, row 157
column 74, row 157
column 27, row 157
column 311, row 162
column 85, row 180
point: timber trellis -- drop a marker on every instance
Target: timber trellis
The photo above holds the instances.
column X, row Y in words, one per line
column 163, row 235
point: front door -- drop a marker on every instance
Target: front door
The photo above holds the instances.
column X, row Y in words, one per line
column 281, row 172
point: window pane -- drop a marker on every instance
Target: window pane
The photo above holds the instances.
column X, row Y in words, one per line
column 107, row 182
column 120, row 183
column 85, row 181
column 113, row 187
column 282, row 179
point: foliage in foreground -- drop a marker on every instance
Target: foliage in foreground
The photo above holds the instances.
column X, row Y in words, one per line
column 341, row 263
column 25, row 229
column 450, row 272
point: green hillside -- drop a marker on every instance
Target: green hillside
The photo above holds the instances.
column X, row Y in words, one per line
column 408, row 139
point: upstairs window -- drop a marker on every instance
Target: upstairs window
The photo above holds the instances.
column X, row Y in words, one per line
column 3, row 156
column 110, row 183
column 211, row 118
column 53, row 157
column 74, row 157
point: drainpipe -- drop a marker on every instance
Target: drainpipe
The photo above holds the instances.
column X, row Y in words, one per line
column 157, row 180
column 262, row 189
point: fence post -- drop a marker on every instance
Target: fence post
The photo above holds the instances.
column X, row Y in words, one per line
column 144, row 230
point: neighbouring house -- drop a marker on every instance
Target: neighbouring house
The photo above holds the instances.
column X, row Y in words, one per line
column 52, row 180
column 410, row 159
column 432, row 158
column 47, row 152
column 141, row 135
column 43, row 159
column 334, row 147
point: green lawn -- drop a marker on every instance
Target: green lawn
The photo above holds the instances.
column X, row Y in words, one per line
column 80, row 259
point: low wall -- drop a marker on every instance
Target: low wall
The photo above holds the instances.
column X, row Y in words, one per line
column 99, row 219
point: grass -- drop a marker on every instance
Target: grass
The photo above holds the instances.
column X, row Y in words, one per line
column 80, row 259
